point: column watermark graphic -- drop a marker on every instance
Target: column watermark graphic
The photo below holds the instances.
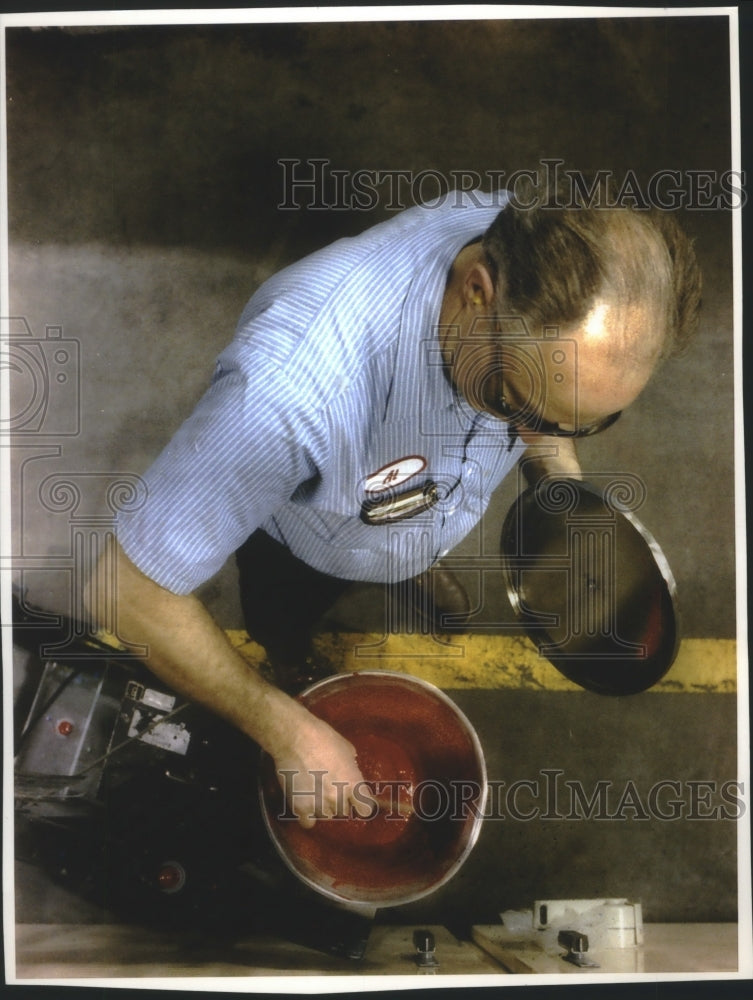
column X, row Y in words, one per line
column 63, row 519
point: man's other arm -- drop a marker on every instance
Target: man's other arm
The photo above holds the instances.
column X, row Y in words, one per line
column 192, row 655
column 549, row 456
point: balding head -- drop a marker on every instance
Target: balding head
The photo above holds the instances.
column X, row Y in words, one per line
column 603, row 296
column 553, row 267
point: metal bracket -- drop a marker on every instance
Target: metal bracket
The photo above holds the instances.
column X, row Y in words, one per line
column 577, row 946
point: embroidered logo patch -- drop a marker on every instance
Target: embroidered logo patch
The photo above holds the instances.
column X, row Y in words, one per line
column 394, row 474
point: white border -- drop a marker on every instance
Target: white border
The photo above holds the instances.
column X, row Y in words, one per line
column 347, row 983
column 6, row 638
column 289, row 15
column 745, row 920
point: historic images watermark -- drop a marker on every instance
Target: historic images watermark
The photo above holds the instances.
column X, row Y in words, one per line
column 314, row 184
column 548, row 796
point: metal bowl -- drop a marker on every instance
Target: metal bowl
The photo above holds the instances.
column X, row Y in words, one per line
column 590, row 584
column 424, row 761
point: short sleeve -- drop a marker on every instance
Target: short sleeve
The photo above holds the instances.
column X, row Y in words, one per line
column 246, row 448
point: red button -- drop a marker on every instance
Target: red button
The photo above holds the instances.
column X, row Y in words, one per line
column 171, row 877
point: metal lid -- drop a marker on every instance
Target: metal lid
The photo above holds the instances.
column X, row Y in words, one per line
column 590, row 584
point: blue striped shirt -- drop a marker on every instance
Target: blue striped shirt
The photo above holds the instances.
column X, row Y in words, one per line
column 332, row 388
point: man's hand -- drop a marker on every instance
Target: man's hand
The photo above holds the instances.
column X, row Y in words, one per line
column 317, row 769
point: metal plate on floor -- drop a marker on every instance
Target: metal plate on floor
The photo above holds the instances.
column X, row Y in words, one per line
column 590, row 584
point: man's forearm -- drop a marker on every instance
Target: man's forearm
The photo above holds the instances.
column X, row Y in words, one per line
column 189, row 652
column 549, row 456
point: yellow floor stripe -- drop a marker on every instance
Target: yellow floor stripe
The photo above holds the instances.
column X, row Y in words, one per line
column 499, row 661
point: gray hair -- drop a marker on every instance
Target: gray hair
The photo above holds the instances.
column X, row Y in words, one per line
column 549, row 264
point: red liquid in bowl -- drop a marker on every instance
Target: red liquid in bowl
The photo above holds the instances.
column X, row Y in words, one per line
column 416, row 750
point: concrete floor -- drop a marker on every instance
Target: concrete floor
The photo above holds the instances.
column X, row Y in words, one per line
column 144, row 180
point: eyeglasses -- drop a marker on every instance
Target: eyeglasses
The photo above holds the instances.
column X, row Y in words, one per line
column 519, row 417
column 519, row 356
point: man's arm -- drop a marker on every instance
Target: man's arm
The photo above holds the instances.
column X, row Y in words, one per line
column 190, row 653
column 549, row 456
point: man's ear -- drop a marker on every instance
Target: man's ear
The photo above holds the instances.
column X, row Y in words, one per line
column 478, row 287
